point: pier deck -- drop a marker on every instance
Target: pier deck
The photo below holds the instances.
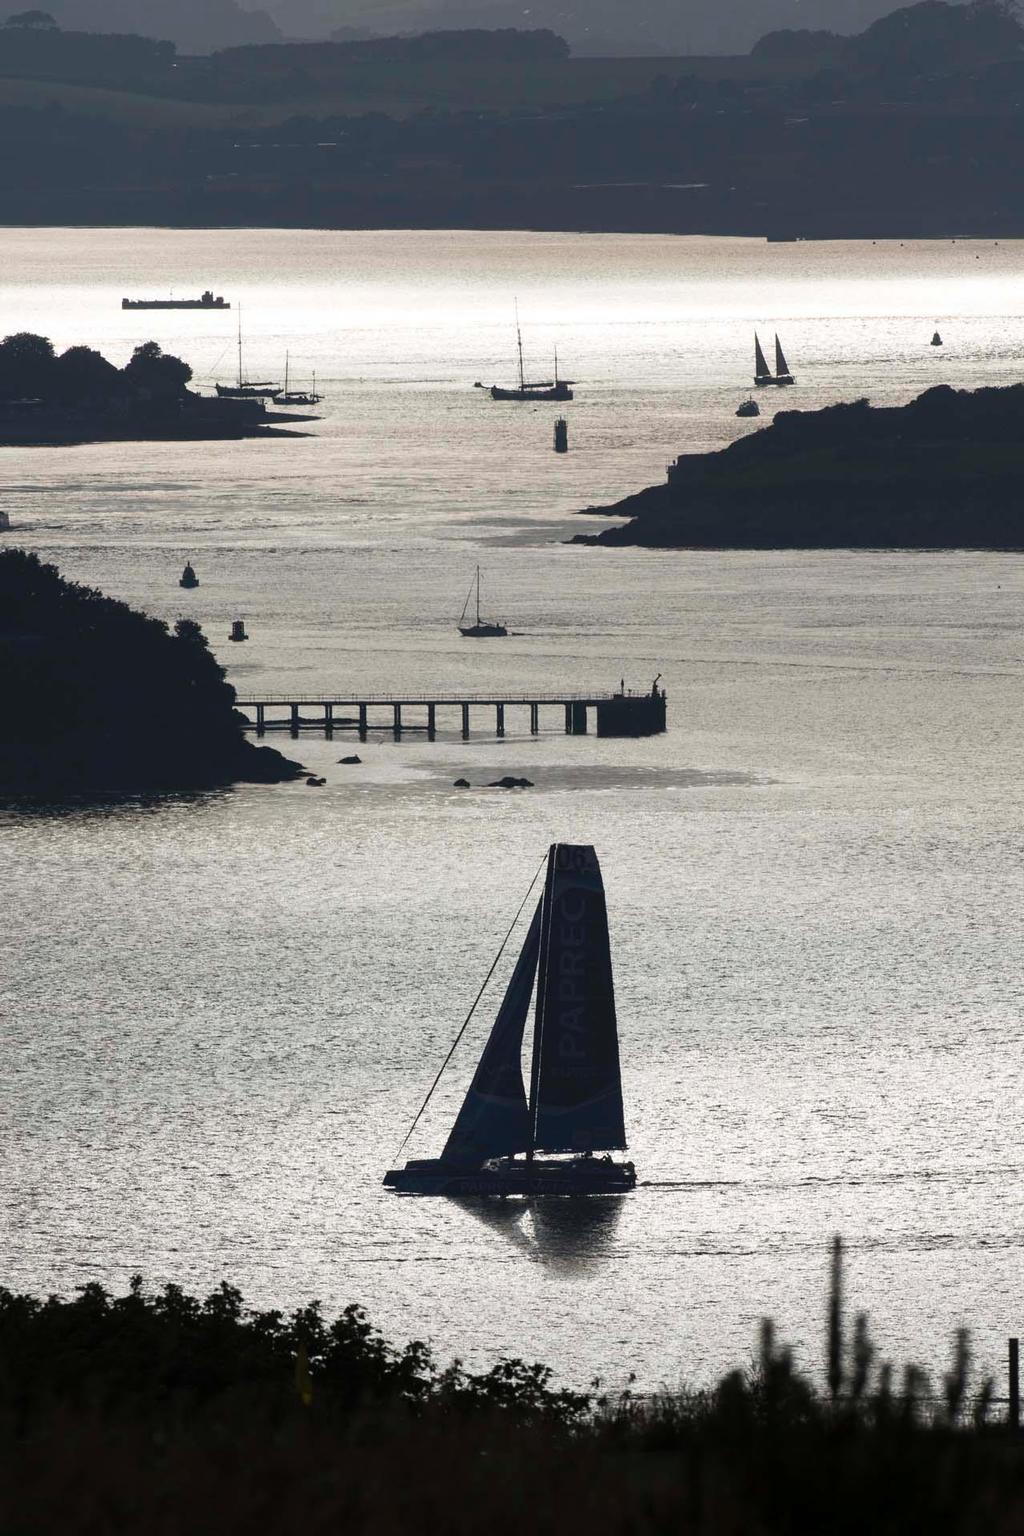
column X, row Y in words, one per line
column 616, row 714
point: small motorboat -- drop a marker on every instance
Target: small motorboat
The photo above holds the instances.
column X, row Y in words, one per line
column 749, row 408
column 188, row 576
column 238, row 630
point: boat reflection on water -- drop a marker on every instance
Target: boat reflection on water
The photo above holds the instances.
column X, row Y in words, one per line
column 569, row 1234
column 576, row 1234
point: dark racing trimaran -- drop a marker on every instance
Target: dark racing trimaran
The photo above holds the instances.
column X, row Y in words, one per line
column 506, row 1141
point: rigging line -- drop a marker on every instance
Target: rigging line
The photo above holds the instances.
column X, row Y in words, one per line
column 211, row 371
column 469, row 1015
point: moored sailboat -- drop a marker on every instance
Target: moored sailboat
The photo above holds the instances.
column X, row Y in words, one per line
column 545, row 389
column 247, row 389
column 505, row 1141
column 296, row 396
column 480, row 629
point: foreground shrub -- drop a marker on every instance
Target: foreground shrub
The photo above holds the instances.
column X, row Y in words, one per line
column 164, row 1414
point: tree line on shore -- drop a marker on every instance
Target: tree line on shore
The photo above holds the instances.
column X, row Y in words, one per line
column 162, row 1412
column 102, row 699
column 30, row 369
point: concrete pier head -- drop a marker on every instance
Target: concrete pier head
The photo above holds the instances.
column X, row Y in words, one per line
column 629, row 714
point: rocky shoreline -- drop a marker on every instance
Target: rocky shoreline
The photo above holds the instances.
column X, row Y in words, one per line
column 945, row 471
column 195, row 418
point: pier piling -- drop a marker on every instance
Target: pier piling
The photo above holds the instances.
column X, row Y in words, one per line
column 620, row 713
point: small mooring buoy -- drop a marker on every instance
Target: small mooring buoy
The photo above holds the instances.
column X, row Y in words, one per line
column 561, row 435
column 936, row 340
column 238, row 630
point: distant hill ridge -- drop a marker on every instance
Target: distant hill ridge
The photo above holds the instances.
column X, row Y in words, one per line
column 929, row 35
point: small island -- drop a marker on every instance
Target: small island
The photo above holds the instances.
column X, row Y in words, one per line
column 101, row 699
column 80, row 397
column 945, row 471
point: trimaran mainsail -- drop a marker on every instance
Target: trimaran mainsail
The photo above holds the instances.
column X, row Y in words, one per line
column 505, row 1140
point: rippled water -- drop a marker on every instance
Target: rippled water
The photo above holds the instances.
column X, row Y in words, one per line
column 219, row 1013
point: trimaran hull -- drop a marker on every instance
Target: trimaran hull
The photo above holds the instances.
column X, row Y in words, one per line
column 578, row 1176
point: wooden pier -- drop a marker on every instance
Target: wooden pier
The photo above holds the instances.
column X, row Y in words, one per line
column 615, row 714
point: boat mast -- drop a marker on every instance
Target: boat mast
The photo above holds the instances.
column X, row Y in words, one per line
column 556, row 367
column 538, row 1017
column 286, row 372
column 478, row 595
column 519, row 340
column 239, row 346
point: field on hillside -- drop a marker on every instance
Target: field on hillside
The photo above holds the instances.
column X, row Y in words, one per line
column 398, row 89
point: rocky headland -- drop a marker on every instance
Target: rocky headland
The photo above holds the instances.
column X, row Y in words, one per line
column 101, row 699
column 945, row 471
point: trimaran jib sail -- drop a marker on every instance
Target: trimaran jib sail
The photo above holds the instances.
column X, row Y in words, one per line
column 503, row 1138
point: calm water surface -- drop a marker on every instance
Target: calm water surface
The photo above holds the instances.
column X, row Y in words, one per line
column 220, row 1013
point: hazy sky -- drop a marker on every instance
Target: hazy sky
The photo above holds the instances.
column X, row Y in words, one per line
column 637, row 26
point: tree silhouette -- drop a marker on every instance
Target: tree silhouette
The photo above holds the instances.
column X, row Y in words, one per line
column 157, row 372
column 80, row 373
column 26, row 366
column 38, row 21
